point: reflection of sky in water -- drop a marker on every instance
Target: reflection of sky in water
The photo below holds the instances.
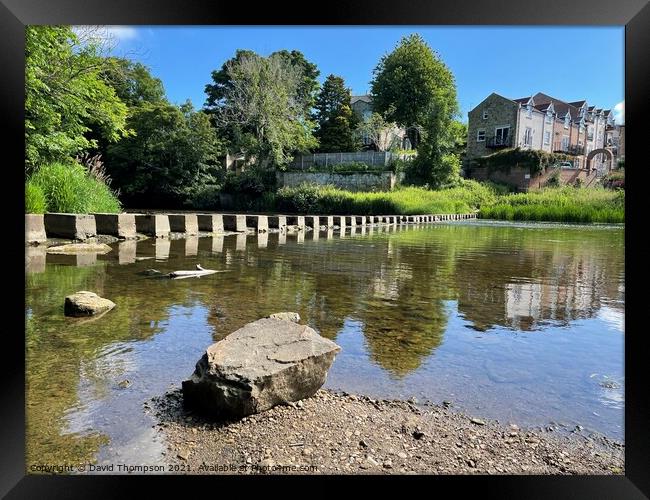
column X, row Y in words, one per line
column 515, row 323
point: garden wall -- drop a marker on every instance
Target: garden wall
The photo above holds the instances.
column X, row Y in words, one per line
column 362, row 181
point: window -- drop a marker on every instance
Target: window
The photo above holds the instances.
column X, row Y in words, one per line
column 529, row 111
column 480, row 135
column 501, row 135
column 485, row 115
column 567, row 121
column 528, row 136
column 549, row 117
column 590, row 133
column 547, row 137
column 565, row 143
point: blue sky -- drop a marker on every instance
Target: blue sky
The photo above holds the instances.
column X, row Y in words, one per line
column 570, row 63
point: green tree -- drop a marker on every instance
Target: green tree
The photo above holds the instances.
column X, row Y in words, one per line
column 65, row 96
column 380, row 132
column 133, row 82
column 414, row 88
column 260, row 105
column 174, row 152
column 336, row 121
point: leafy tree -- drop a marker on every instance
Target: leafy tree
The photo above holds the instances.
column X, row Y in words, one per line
column 417, row 90
column 336, row 121
column 133, row 82
column 65, row 96
column 260, row 103
column 174, row 152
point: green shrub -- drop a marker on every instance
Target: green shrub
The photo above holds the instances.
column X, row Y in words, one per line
column 35, row 202
column 251, row 182
column 204, row 198
column 69, row 188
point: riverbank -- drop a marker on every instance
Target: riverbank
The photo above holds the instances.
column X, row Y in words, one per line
column 333, row 433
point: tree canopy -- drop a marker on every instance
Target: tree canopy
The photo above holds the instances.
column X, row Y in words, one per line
column 261, row 103
column 413, row 87
column 336, row 121
column 66, row 97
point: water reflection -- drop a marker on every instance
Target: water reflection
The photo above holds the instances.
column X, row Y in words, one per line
column 406, row 305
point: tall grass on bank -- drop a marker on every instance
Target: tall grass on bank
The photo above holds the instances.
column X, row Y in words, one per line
column 313, row 199
column 68, row 188
column 565, row 204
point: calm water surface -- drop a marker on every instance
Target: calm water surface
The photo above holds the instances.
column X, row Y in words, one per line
column 521, row 323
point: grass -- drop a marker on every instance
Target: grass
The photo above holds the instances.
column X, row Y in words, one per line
column 312, row 199
column 565, row 204
column 68, row 188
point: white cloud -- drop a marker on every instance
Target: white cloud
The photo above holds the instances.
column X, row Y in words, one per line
column 122, row 32
column 619, row 113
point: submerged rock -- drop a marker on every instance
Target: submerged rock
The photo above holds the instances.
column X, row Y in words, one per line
column 74, row 248
column 286, row 316
column 86, row 304
column 265, row 363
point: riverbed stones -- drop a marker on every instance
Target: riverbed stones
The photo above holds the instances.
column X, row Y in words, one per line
column 70, row 226
column 34, row 228
column 265, row 363
column 85, row 303
column 120, row 225
column 75, row 248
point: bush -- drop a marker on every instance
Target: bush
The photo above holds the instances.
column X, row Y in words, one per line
column 69, row 188
column 253, row 182
column 35, row 202
column 204, row 198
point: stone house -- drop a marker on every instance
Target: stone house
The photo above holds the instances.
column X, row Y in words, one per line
column 394, row 138
column 541, row 122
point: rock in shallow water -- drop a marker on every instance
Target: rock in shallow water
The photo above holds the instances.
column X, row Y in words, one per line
column 86, row 304
column 75, row 248
column 265, row 363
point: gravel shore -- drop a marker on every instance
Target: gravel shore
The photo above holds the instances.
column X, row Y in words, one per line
column 334, row 433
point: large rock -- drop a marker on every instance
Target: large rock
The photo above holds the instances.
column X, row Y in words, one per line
column 86, row 304
column 263, row 364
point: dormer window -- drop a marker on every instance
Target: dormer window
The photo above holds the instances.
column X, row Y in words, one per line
column 567, row 121
column 549, row 117
column 529, row 110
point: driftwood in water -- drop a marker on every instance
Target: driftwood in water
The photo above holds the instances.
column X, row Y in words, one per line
column 192, row 274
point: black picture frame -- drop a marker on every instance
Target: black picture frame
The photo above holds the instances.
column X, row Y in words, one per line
column 633, row 14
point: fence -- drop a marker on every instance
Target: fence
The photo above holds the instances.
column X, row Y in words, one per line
column 372, row 158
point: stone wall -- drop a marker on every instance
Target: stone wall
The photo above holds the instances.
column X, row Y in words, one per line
column 517, row 177
column 375, row 181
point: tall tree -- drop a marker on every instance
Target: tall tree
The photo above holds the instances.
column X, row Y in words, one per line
column 416, row 89
column 380, row 132
column 409, row 82
column 260, row 103
column 336, row 121
column 65, row 96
